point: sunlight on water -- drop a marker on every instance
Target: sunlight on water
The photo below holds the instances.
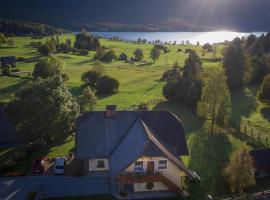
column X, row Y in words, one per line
column 192, row 37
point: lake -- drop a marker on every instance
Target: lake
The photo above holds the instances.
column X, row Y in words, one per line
column 192, row 37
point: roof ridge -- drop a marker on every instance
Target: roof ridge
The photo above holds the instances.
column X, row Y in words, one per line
column 165, row 150
column 125, row 135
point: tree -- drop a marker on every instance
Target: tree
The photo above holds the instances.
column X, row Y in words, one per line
column 109, row 56
column 52, row 44
column 215, row 104
column 250, row 40
column 44, row 110
column 184, row 87
column 44, row 50
column 234, row 64
column 155, row 53
column 6, row 69
column 85, row 40
column 239, row 172
column 91, row 77
column 48, row 67
column 107, row 85
column 193, row 66
column 2, row 38
column 264, row 94
column 88, row 100
column 11, row 42
column 138, row 53
column 100, row 51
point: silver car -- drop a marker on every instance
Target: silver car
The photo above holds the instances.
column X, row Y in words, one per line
column 59, row 165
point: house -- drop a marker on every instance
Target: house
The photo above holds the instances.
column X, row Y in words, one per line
column 140, row 151
column 261, row 160
column 8, row 60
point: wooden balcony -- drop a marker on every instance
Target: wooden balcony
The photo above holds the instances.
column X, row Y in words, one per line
column 141, row 177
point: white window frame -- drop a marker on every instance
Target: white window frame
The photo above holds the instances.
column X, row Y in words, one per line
column 134, row 165
column 162, row 168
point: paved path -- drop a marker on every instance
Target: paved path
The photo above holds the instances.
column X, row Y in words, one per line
column 52, row 186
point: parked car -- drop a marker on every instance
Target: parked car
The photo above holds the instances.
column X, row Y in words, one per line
column 59, row 165
column 38, row 165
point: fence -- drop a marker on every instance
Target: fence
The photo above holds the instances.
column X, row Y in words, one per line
column 253, row 196
column 247, row 134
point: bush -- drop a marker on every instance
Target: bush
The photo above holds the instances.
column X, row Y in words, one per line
column 123, row 57
column 91, row 77
column 9, row 165
column 108, row 56
column 107, row 85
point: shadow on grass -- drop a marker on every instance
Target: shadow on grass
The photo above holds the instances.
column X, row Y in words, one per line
column 14, row 87
column 208, row 160
column 146, row 64
column 88, row 61
column 266, row 113
column 244, row 102
column 7, row 47
column 185, row 114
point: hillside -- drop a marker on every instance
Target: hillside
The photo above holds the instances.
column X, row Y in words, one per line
column 136, row 15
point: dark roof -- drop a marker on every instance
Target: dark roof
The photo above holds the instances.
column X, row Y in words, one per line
column 261, row 158
column 98, row 136
column 129, row 150
column 8, row 59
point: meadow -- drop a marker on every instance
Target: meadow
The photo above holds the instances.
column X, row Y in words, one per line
column 140, row 82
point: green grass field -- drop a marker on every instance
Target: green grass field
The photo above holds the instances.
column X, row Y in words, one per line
column 141, row 83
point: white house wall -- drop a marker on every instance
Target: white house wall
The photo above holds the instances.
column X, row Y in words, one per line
column 173, row 173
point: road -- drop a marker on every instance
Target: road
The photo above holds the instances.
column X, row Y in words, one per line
column 52, row 186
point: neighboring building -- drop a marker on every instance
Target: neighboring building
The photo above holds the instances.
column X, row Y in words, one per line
column 8, row 60
column 138, row 150
column 261, row 158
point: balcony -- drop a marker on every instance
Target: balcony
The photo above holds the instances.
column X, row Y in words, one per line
column 143, row 177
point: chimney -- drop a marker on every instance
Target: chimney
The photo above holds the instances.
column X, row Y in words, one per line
column 110, row 111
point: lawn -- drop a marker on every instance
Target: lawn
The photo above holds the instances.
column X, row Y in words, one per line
column 141, row 83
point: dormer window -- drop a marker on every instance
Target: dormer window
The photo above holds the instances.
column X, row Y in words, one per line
column 162, row 164
column 138, row 165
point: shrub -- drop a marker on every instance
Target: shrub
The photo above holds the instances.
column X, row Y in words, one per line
column 107, row 85
column 123, row 57
column 108, row 56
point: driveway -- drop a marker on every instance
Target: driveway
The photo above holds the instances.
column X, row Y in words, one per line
column 17, row 188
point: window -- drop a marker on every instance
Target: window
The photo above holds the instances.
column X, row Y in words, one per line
column 162, row 164
column 138, row 165
column 100, row 164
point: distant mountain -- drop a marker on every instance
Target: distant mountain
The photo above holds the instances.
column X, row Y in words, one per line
column 142, row 15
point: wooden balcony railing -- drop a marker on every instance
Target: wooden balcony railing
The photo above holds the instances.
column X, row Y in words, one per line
column 141, row 177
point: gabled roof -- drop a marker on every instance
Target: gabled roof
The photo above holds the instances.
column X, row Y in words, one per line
column 261, row 158
column 129, row 150
column 98, row 136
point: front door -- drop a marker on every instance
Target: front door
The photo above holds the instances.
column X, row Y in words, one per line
column 150, row 167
